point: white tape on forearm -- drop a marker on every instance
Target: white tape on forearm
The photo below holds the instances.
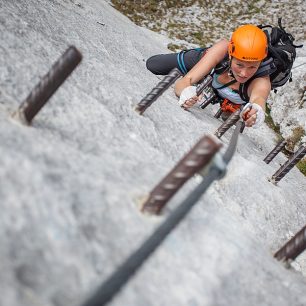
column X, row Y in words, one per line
column 260, row 115
column 187, row 93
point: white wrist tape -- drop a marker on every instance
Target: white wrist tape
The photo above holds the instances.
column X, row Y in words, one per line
column 260, row 115
column 187, row 93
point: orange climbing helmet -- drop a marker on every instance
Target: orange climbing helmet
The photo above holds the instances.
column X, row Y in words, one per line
column 248, row 43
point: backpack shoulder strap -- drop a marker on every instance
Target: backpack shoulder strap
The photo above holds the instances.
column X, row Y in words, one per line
column 267, row 67
column 222, row 66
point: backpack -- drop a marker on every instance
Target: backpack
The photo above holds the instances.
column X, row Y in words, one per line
column 282, row 49
column 279, row 62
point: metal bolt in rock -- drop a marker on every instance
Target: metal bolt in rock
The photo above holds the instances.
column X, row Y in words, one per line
column 293, row 248
column 288, row 165
column 230, row 121
column 41, row 93
column 195, row 160
column 158, row 90
column 275, row 151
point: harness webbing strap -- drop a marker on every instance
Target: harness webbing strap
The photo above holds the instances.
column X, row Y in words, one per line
column 180, row 61
column 227, row 84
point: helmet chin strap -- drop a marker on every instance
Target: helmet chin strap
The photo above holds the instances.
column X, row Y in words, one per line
column 230, row 72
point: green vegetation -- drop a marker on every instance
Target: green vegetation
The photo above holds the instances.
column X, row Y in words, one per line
column 302, row 166
column 201, row 22
column 174, row 47
column 269, row 121
column 180, row 22
column 303, row 99
column 295, row 137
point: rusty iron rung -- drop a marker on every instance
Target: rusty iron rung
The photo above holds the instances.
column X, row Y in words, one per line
column 293, row 248
column 157, row 91
column 47, row 86
column 194, row 161
column 231, row 120
column 289, row 164
column 279, row 146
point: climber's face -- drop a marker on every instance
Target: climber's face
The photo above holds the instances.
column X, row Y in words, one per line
column 244, row 70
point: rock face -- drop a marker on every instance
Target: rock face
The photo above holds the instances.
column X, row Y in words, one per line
column 288, row 105
column 69, row 182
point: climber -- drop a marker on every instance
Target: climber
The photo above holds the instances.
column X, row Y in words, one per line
column 232, row 65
